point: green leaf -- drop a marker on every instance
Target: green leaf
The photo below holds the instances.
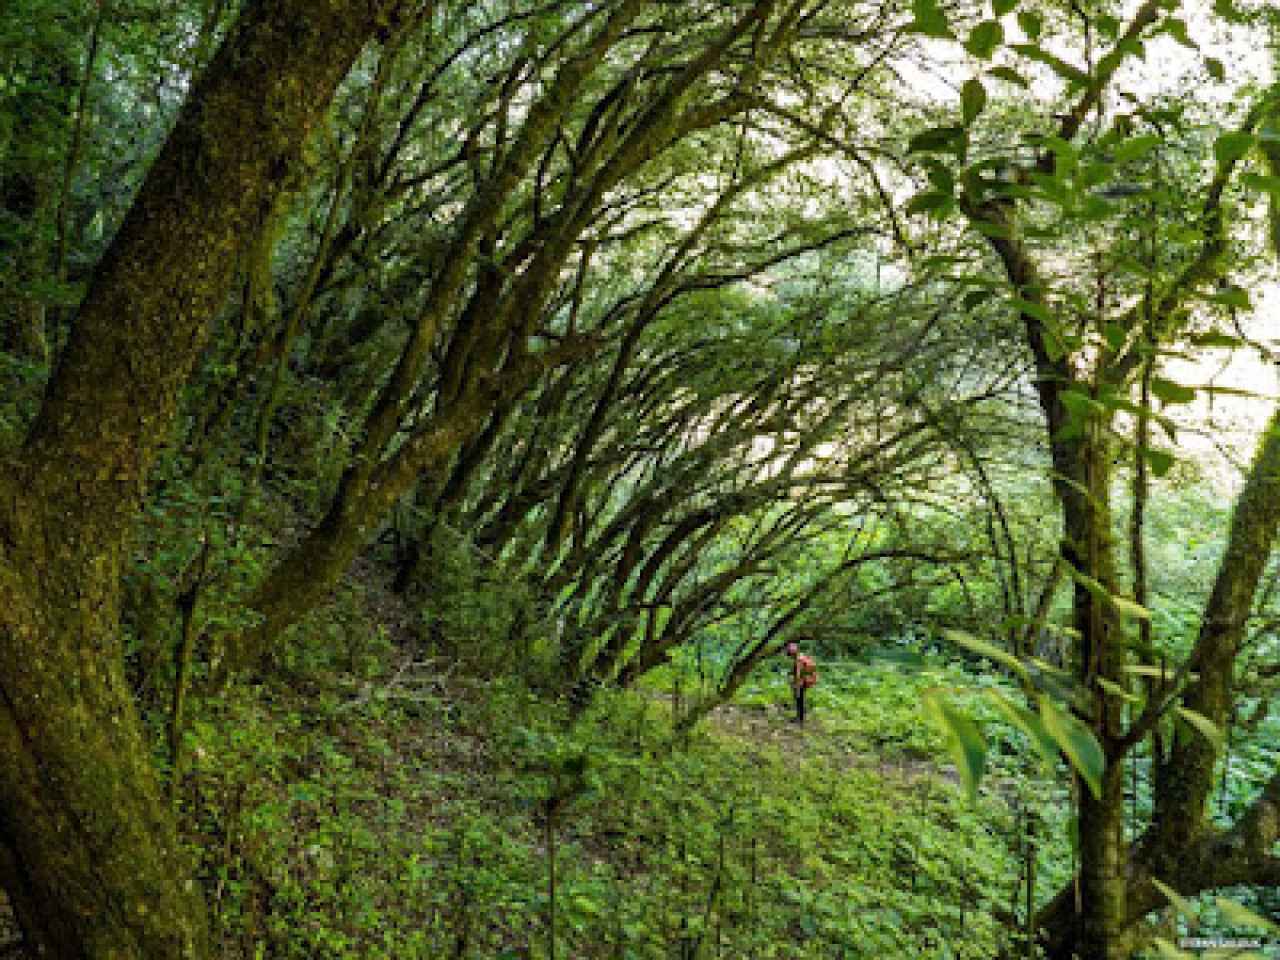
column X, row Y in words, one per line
column 1216, row 338
column 973, row 97
column 929, row 201
column 1176, row 900
column 1029, row 724
column 990, row 229
column 1170, row 952
column 1129, row 608
column 965, row 743
column 1116, row 690
column 1009, row 75
column 1176, row 27
column 1213, row 66
column 1064, row 152
column 1156, row 673
column 1059, row 66
column 1136, row 147
column 1170, row 392
column 984, row 38
column 1206, row 727
column 1031, row 23
column 1076, row 741
column 985, row 649
column 940, row 174
column 1261, row 182
column 1094, row 174
column 938, row 140
column 1159, row 461
column 1080, row 406
column 1232, row 297
column 1107, row 26
column 976, row 298
column 1243, row 916
column 1122, row 605
column 1231, row 392
column 1230, row 147
column 1130, row 47
column 1001, row 7
column 929, row 20
column 1036, row 310
column 1094, row 209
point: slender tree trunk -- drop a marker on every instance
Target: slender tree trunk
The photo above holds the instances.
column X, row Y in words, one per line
column 1101, row 822
column 1102, row 872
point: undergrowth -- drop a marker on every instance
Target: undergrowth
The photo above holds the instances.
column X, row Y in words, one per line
column 415, row 813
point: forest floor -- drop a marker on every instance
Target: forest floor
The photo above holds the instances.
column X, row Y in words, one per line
column 815, row 741
column 399, row 811
column 378, row 799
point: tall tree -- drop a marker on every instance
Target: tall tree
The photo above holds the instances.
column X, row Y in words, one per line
column 88, row 848
column 1098, row 316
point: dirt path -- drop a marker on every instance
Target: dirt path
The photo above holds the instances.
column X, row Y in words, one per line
column 815, row 741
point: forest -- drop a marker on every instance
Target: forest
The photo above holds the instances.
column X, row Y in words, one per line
column 435, row 437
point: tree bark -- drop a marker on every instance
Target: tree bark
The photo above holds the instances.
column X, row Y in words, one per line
column 1092, row 927
column 88, row 848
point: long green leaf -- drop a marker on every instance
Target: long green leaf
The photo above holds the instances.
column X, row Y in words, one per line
column 1230, row 147
column 939, row 140
column 965, row 743
column 1076, row 741
column 1170, row 392
column 1069, row 72
column 1129, row 608
column 1156, row 673
column 1177, row 900
column 1136, row 147
column 1117, row 691
column 1240, row 914
column 1169, row 951
column 1009, row 75
column 986, row 649
column 1207, row 728
column 1030, row 725
column 973, row 98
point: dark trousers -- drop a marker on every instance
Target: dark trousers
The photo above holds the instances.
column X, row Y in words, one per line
column 798, row 692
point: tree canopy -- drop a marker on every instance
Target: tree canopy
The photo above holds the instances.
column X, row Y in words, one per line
column 702, row 327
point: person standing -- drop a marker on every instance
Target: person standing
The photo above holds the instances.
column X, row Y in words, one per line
column 804, row 674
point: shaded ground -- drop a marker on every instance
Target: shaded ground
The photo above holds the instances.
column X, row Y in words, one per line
column 815, row 740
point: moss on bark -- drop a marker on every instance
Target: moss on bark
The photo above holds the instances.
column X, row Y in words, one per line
column 88, row 848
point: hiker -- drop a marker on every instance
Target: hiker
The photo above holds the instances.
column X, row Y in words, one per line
column 804, row 674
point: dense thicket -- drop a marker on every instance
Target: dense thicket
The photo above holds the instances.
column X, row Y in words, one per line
column 701, row 324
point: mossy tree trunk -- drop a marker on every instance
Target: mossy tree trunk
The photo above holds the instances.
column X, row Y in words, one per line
column 89, row 850
column 1097, row 917
column 1181, row 848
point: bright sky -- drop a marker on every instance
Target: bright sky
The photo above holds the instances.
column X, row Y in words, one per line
column 1223, row 428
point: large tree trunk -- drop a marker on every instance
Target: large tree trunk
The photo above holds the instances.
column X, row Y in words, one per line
column 89, row 852
column 88, row 848
column 1181, row 848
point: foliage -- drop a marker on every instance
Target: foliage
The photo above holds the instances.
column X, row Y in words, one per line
column 572, row 348
column 407, row 821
